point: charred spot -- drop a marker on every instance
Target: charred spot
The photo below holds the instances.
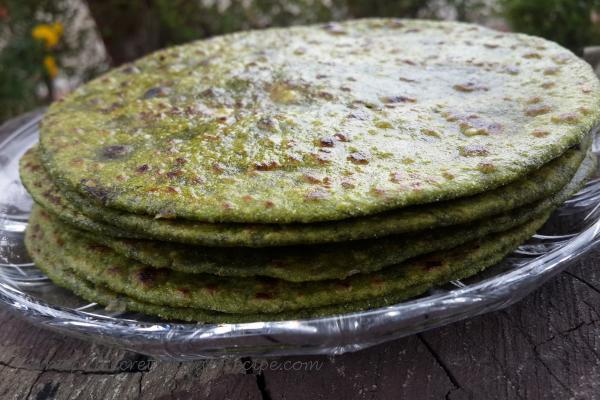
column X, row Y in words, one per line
column 218, row 168
column 294, row 158
column 473, row 150
column 266, row 166
column 263, row 296
column 185, row 292
column 537, row 109
column 539, row 133
column 112, row 107
column 143, row 168
column 148, row 276
column 360, row 114
column 174, row 174
column 99, row 193
column 469, row 87
column 115, row 151
column 323, row 158
column 32, row 167
column 311, row 178
column 268, row 123
column 397, row 177
column 327, row 141
column 212, row 92
column 348, row 184
column 196, row 180
column 548, row 85
column 159, row 91
column 379, row 192
column 54, row 199
column 404, row 79
column 358, row 157
column 342, row 137
column 566, row 118
column 325, row 95
column 398, row 99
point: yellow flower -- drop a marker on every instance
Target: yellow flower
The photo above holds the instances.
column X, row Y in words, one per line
column 51, row 67
column 49, row 34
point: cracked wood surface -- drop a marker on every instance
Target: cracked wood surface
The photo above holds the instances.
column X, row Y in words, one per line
column 545, row 347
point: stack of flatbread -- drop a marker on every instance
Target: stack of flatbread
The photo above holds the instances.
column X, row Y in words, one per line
column 307, row 171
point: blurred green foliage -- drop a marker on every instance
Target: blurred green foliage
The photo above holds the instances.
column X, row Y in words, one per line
column 25, row 80
column 21, row 68
column 572, row 23
column 131, row 28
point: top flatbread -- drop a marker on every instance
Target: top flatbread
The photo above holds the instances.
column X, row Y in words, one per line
column 320, row 123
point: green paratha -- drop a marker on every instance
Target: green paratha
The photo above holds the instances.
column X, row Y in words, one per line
column 320, row 123
column 538, row 185
column 60, row 274
column 102, row 266
column 331, row 261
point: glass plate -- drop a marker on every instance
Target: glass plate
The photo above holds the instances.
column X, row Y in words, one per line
column 572, row 230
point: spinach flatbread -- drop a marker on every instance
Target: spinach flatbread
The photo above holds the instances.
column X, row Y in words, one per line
column 331, row 261
column 75, row 210
column 320, row 123
column 102, row 266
